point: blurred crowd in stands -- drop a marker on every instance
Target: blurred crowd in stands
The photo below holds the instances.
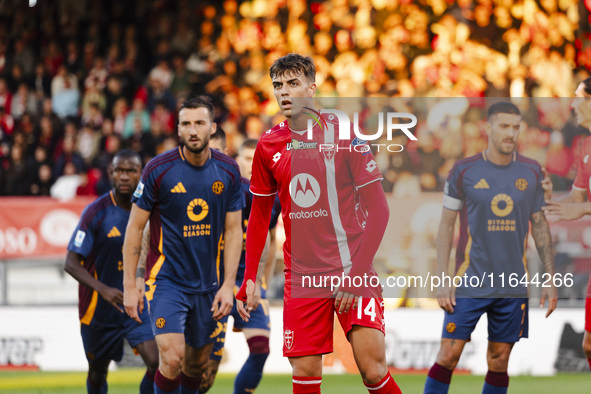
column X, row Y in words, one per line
column 80, row 79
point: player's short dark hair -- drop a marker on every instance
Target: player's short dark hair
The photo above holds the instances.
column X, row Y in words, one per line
column 199, row 102
column 587, row 86
column 219, row 134
column 249, row 143
column 295, row 63
column 503, row 107
column 126, row 154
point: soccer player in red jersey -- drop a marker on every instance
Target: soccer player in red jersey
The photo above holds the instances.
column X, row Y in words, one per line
column 576, row 204
column 335, row 201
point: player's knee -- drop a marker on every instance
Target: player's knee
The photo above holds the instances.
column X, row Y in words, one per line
column 498, row 361
column 171, row 361
column 98, row 373
column 195, row 366
column 374, row 375
column 448, row 358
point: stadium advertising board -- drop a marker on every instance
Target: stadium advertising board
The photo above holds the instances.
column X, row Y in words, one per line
column 37, row 227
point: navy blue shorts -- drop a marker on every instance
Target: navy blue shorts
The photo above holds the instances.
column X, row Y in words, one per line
column 259, row 318
column 507, row 318
column 174, row 311
column 105, row 342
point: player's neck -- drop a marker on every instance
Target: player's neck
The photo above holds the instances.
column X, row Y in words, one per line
column 297, row 123
column 196, row 159
column 122, row 201
column 498, row 158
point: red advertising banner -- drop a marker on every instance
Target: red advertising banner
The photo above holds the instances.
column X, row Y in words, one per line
column 37, row 226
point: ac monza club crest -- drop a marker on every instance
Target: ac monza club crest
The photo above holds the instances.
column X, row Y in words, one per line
column 328, row 152
column 288, row 338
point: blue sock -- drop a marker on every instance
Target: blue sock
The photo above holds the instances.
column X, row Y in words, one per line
column 490, row 389
column 147, row 384
column 438, row 380
column 495, row 383
column 91, row 388
column 252, row 371
column 433, row 386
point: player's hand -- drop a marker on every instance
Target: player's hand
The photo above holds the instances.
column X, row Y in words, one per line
column 113, row 296
column 547, row 185
column 246, row 292
column 256, row 297
column 556, row 211
column 446, row 297
column 223, row 302
column 345, row 301
column 131, row 297
column 141, row 286
column 552, row 295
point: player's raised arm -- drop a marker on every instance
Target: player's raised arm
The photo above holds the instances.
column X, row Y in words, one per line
column 256, row 236
column 541, row 234
column 132, row 246
column 224, row 298
column 445, row 236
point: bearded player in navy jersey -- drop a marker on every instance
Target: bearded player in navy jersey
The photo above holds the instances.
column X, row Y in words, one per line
column 192, row 196
column 498, row 193
column 94, row 259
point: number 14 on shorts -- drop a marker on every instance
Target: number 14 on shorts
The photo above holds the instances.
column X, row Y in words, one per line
column 369, row 310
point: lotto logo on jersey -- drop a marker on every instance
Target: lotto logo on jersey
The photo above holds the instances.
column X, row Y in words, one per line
column 288, row 337
column 304, row 190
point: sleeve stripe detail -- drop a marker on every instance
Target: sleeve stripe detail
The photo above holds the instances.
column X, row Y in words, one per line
column 262, row 195
column 372, row 181
column 452, row 203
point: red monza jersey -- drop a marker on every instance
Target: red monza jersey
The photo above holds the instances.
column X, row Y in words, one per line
column 317, row 180
column 583, row 183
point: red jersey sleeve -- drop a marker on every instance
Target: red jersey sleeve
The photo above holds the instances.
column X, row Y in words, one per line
column 580, row 180
column 362, row 164
column 262, row 182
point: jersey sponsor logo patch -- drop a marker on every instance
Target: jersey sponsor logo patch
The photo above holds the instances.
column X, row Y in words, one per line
column 179, row 188
column 521, row 184
column 197, row 210
column 139, row 190
column 501, row 205
column 482, row 184
column 304, row 190
column 160, row 322
column 276, row 157
column 79, row 239
column 217, row 187
column 372, row 165
column 296, row 145
column 450, row 327
column 114, row 233
column 358, row 141
column 288, row 337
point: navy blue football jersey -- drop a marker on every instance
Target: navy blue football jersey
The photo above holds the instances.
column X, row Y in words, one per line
column 99, row 239
column 495, row 204
column 188, row 206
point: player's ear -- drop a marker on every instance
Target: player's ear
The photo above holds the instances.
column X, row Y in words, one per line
column 488, row 128
column 312, row 89
column 214, row 127
column 110, row 172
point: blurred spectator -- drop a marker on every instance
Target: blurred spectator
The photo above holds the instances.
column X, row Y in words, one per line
column 24, row 56
column 5, row 95
column 16, row 173
column 65, row 94
column 23, row 101
column 68, row 157
column 138, row 119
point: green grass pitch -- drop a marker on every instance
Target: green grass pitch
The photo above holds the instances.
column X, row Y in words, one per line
column 126, row 381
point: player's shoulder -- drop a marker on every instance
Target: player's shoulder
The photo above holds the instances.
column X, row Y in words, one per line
column 224, row 161
column 97, row 208
column 526, row 161
column 163, row 161
column 467, row 162
column 275, row 134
